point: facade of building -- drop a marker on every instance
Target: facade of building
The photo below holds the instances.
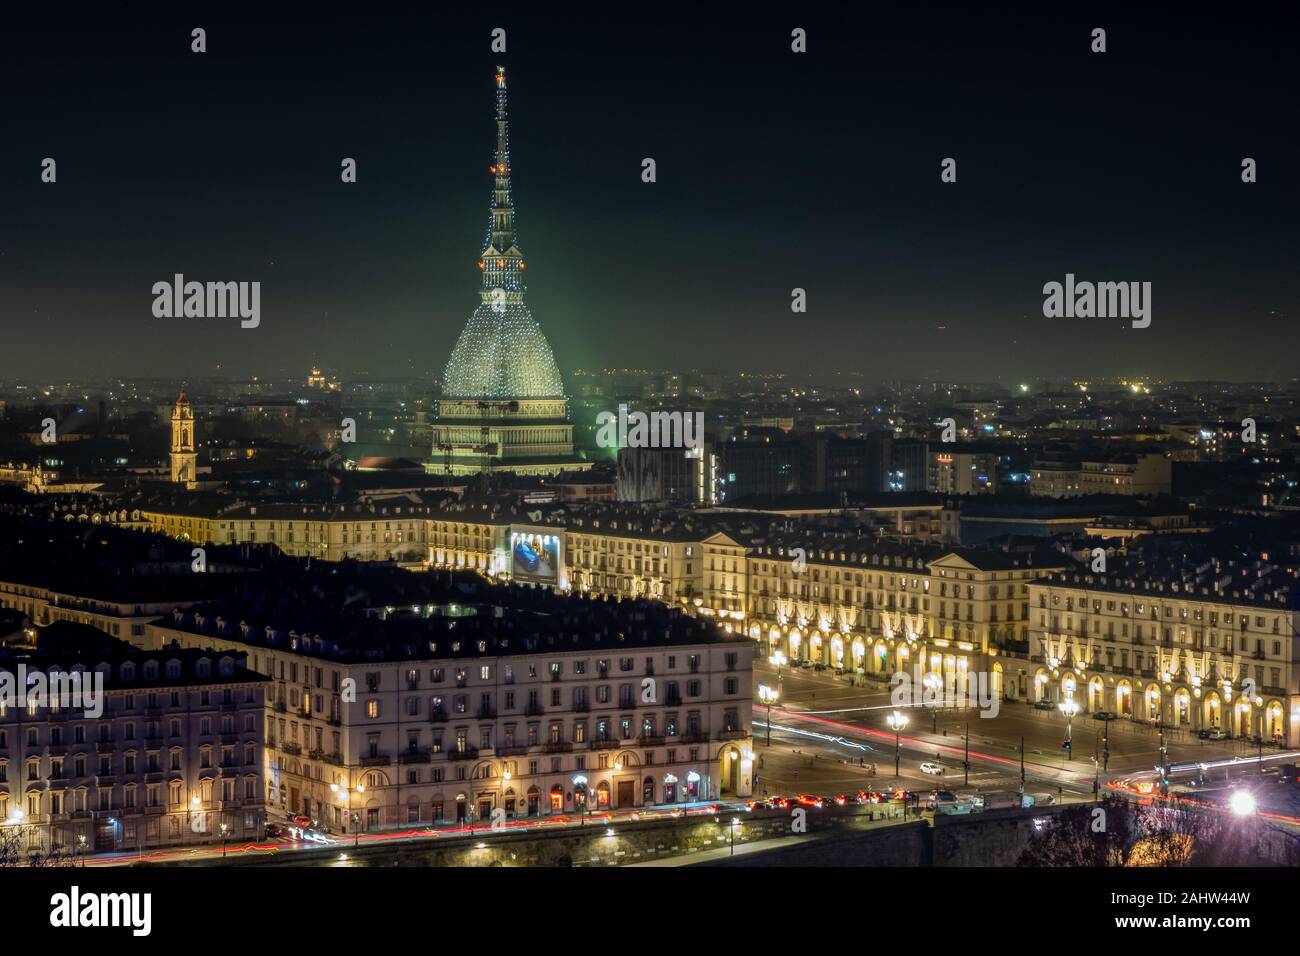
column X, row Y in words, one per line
column 526, row 725
column 1137, row 474
column 1219, row 653
column 175, row 757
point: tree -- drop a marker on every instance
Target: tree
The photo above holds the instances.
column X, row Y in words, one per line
column 15, row 849
column 1085, row 834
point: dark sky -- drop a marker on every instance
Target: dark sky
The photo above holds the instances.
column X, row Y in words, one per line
column 775, row 170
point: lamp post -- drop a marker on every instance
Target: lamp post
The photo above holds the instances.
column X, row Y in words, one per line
column 933, row 681
column 768, row 696
column 897, row 721
column 580, row 786
column 81, row 848
column 735, row 821
column 1069, row 708
column 360, row 788
column 225, row 830
column 505, row 783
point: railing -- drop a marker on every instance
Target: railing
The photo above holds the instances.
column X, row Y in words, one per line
column 673, row 700
column 376, row 760
column 533, row 710
column 650, row 740
column 469, row 753
column 557, row 747
column 733, row 734
column 486, row 713
column 604, row 744
column 415, row 756
column 696, row 738
column 437, row 715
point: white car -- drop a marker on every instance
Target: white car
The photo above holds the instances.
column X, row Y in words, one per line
column 932, row 768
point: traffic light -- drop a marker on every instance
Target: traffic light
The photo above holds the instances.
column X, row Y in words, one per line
column 1065, row 745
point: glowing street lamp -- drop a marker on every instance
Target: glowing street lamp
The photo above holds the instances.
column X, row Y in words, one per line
column 897, row 721
column 355, row 821
column 1069, row 708
column 1242, row 803
column 768, row 696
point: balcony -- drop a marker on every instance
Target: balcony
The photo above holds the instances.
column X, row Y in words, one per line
column 581, row 707
column 649, row 740
column 557, row 747
column 469, row 753
column 487, row 713
column 673, row 700
column 511, row 751
column 604, row 744
column 105, row 746
column 695, row 738
column 436, row 715
column 733, row 735
column 415, row 756
column 290, row 747
column 533, row 710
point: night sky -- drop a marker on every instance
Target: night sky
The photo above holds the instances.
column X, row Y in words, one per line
column 775, row 170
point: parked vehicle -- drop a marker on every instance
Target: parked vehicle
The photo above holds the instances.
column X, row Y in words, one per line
column 1212, row 733
column 1044, row 705
column 1103, row 715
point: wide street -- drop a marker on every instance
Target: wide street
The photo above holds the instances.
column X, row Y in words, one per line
column 823, row 726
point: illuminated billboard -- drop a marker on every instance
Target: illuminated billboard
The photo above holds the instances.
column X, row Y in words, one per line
column 535, row 557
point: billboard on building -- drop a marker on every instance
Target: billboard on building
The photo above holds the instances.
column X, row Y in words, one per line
column 535, row 556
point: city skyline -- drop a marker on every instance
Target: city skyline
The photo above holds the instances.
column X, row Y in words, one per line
column 922, row 278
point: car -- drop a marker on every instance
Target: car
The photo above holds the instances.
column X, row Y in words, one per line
column 274, row 831
column 946, row 795
column 302, row 821
column 843, row 799
column 315, row 836
column 1044, row 705
column 1212, row 733
column 811, row 800
column 1103, row 715
column 806, row 664
column 1269, row 772
column 932, row 768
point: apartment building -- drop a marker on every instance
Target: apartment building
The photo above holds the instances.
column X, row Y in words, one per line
column 1213, row 648
column 515, row 699
column 174, row 758
column 881, row 607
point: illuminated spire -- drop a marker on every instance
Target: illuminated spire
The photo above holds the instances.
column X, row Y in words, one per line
column 502, row 353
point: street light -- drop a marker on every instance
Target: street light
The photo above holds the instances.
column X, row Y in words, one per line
column 933, row 682
column 768, row 696
column 735, row 822
column 897, row 721
column 225, row 829
column 580, row 786
column 356, row 831
column 505, row 783
column 1069, row 708
column 81, row 847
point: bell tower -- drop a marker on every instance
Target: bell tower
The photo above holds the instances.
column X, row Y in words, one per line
column 184, row 458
